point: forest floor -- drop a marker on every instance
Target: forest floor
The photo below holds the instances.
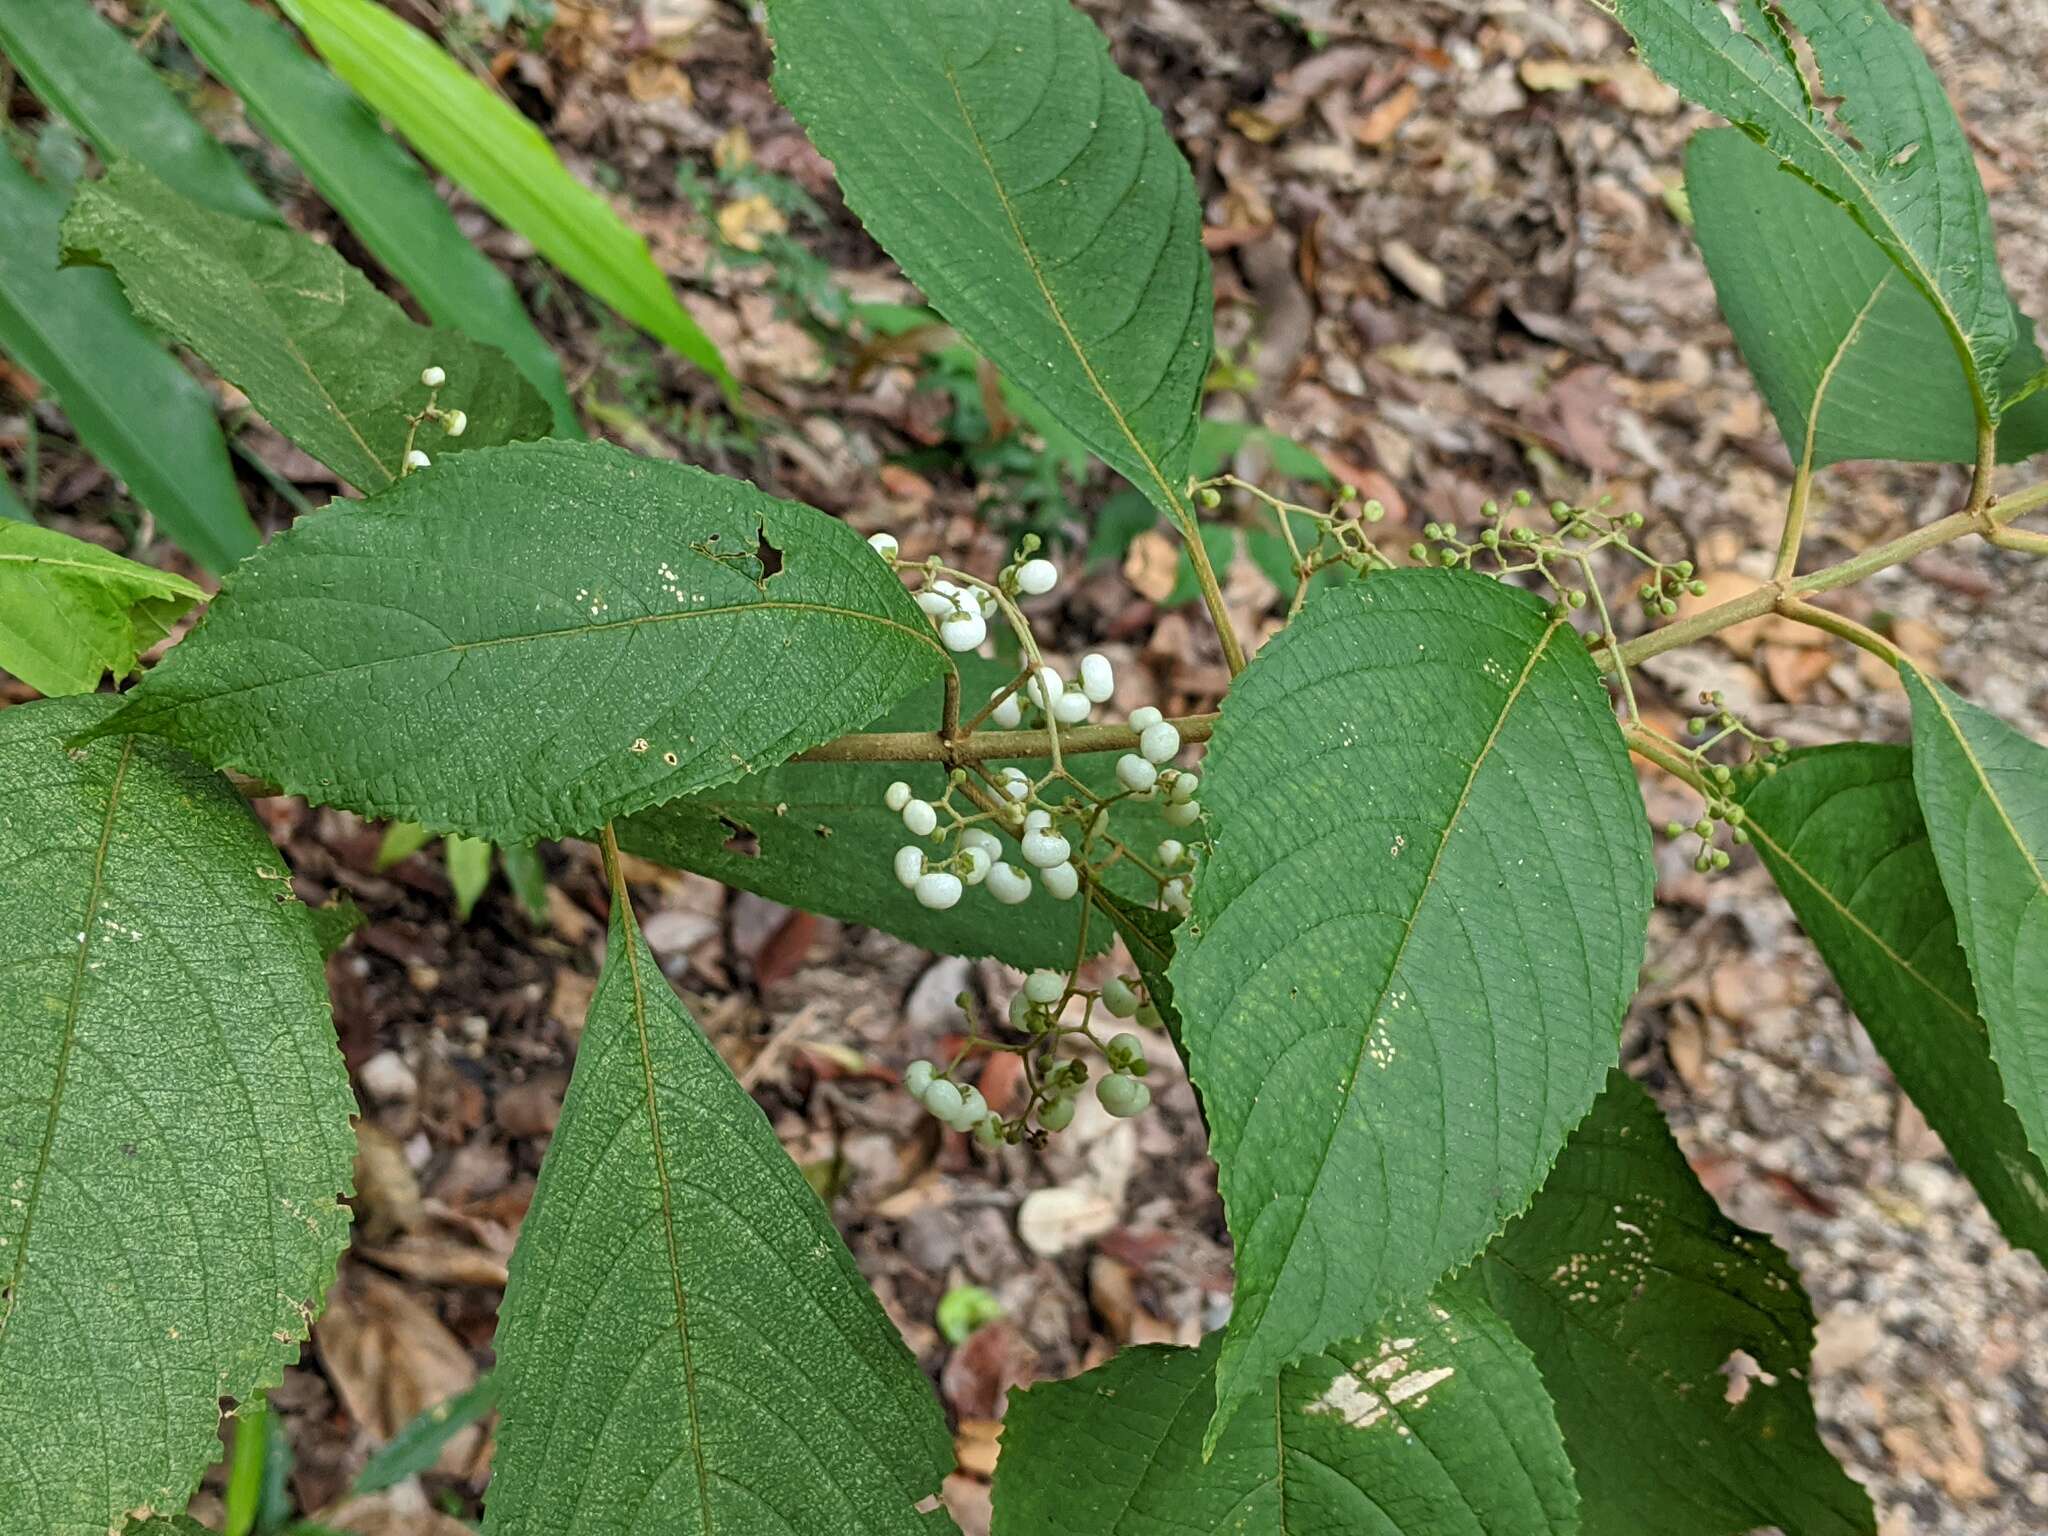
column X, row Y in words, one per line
column 1448, row 259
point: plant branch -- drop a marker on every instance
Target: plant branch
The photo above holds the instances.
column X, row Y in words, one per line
column 1212, row 590
column 2020, row 539
column 1845, row 628
column 1764, row 599
column 931, row 747
column 1795, row 515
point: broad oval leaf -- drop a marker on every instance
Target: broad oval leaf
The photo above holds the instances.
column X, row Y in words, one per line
column 1676, row 1345
column 1034, row 195
column 372, row 183
column 522, row 642
column 1435, row 1423
column 1840, row 831
column 139, row 413
column 477, row 140
column 1983, row 789
column 329, row 361
column 71, row 612
column 1891, row 152
column 1404, row 976
column 818, row 836
column 1851, row 356
column 93, row 75
column 174, row 1122
column 685, row 1343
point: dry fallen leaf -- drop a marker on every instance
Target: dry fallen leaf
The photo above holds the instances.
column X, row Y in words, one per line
column 746, row 222
column 387, row 1199
column 390, row 1358
column 1152, row 565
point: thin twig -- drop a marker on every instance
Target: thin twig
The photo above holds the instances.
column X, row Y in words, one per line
column 1845, row 628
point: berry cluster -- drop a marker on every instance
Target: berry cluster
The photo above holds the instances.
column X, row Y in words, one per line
column 451, row 421
column 1716, row 726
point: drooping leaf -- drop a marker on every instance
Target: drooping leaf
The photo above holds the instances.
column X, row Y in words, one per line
column 1891, row 152
column 84, row 69
column 331, row 362
column 71, row 612
column 1403, row 980
column 372, row 183
column 1983, row 789
column 818, row 836
column 418, row 1443
column 1840, row 831
column 524, row 641
column 1034, row 195
column 469, row 870
column 174, row 1114
column 139, row 413
column 1435, row 1423
column 1851, row 356
column 684, row 1332
column 1675, row 1344
column 471, row 135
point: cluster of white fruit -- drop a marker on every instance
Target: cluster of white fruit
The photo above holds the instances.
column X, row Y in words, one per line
column 453, row 422
column 961, row 612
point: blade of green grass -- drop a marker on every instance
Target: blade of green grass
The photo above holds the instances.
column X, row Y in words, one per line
column 89, row 72
column 372, row 183
column 466, row 130
column 137, row 411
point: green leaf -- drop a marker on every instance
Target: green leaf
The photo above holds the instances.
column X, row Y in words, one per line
column 1034, row 195
column 167, row 1525
column 11, row 506
column 418, row 1443
column 331, row 362
column 468, row 132
column 1983, row 788
column 92, row 74
column 70, row 612
column 1851, row 356
column 528, row 877
column 1435, row 1423
column 818, row 836
column 1404, row 977
column 684, row 1332
column 335, row 923
column 525, row 641
column 174, row 1121
column 1648, row 1313
column 469, row 870
column 1891, row 153
column 139, row 413
column 372, row 183
column 401, row 840
column 1840, row 831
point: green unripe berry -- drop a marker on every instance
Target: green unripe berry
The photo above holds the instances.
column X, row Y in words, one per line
column 1489, row 509
column 1447, row 558
column 1123, row 1096
column 989, row 1132
column 1056, row 1114
column 1703, row 828
column 1576, row 598
column 1739, row 835
column 1118, row 998
column 1148, row 1017
column 1674, row 829
column 1720, row 858
column 1374, row 511
column 918, row 1077
column 1704, row 864
column 1418, row 551
column 942, row 1099
column 1124, row 1051
column 1523, row 498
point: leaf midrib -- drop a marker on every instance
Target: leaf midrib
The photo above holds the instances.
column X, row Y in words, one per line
column 668, row 1217
column 92, row 906
column 1514, row 694
column 1827, row 374
column 1052, row 303
column 109, row 575
column 1984, row 783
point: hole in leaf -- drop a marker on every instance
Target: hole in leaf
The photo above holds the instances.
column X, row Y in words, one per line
column 741, row 840
column 1742, row 1368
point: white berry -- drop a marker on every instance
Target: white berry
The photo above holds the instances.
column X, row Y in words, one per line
column 987, row 842
column 1118, row 998
column 1171, row 851
column 1045, row 848
column 942, row 1099
column 454, row 423
column 1045, row 986
column 936, row 605
column 1045, row 687
column 965, row 632
column 433, row 377
column 1008, row 884
column 909, row 865
column 414, row 459
column 920, row 818
column 1072, row 708
column 1098, row 678
column 1135, row 774
column 975, row 863
column 1144, row 717
column 917, row 1077
column 1181, row 813
column 1184, row 786
column 1061, row 881
column 1016, row 783
column 938, row 890
column 1009, row 713
column 973, row 1110
column 1035, row 578
column 1160, row 742
column 896, row 796
column 1175, row 895
column 885, row 545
